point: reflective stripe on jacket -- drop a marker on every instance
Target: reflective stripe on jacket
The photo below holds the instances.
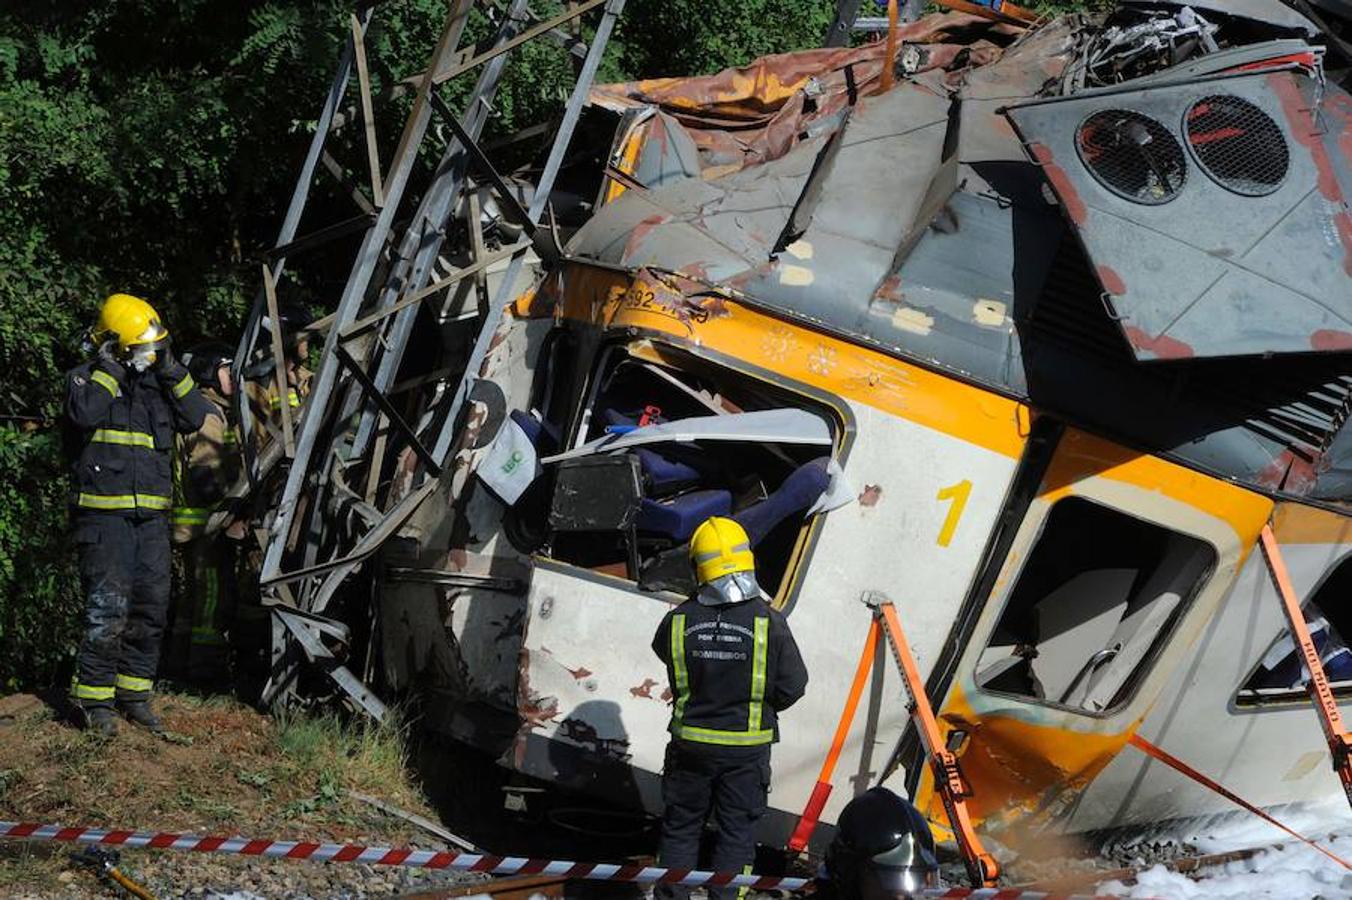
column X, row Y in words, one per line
column 126, row 425
column 731, row 669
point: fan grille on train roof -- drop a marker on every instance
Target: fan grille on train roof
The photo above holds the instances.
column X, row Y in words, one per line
column 1132, row 155
column 1237, row 144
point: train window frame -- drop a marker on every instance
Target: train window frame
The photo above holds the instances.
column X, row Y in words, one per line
column 609, row 354
column 1127, row 691
column 1250, row 699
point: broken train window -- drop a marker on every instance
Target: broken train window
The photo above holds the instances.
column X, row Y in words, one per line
column 1093, row 605
column 1280, row 674
column 660, row 441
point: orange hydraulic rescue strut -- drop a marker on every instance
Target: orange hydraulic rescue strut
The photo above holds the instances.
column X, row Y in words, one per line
column 1339, row 741
column 948, row 781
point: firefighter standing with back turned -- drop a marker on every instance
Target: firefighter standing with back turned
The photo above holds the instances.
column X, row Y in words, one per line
column 123, row 409
column 732, row 665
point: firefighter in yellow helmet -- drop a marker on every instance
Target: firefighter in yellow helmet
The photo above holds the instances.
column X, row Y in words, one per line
column 733, row 666
column 122, row 410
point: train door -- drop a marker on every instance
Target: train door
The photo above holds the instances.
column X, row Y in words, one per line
column 1237, row 710
column 1118, row 564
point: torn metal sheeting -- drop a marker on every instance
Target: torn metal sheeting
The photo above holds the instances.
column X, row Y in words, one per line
column 767, row 426
column 1028, row 306
column 758, row 112
column 1269, row 12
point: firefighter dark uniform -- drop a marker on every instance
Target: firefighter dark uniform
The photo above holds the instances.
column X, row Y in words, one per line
column 732, row 665
column 207, row 464
column 123, row 418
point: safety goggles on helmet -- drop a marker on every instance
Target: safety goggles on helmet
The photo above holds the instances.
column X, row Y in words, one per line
column 153, row 338
column 734, row 588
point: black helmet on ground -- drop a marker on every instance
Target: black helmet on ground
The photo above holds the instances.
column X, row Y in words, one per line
column 883, row 849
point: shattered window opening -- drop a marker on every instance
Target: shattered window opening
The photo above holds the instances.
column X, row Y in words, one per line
column 1279, row 676
column 1096, row 601
column 767, row 487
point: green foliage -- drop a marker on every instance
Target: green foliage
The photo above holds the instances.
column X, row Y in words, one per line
column 40, row 601
column 673, row 37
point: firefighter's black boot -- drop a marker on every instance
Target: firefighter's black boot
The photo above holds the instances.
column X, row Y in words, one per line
column 138, row 712
column 100, row 720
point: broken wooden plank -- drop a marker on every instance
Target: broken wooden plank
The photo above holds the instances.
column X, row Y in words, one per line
column 367, row 112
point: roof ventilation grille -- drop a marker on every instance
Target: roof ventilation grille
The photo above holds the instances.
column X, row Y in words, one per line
column 1132, row 155
column 1238, row 145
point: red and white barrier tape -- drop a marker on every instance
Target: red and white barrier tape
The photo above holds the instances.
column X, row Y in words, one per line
column 466, row 862
column 392, row 856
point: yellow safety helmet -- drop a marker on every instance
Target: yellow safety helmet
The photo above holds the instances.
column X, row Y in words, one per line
column 720, row 547
column 132, row 321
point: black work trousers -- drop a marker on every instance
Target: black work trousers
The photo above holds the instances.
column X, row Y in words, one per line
column 124, row 572
column 700, row 779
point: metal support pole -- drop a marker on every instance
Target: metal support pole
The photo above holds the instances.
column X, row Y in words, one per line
column 838, row 35
column 283, row 385
column 367, row 113
column 419, row 253
column 299, row 194
column 546, row 184
column 317, row 404
column 388, row 409
column 339, row 568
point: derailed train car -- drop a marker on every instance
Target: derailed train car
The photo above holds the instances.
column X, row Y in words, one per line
column 1034, row 342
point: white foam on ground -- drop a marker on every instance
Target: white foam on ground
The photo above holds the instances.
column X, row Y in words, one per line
column 1290, row 871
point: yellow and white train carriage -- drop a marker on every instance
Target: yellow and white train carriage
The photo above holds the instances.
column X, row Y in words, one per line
column 976, row 514
column 1060, row 398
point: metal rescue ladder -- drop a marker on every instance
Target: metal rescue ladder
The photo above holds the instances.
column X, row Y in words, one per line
column 1330, row 719
column 949, row 783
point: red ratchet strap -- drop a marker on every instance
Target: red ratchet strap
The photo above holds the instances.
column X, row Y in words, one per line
column 1321, row 692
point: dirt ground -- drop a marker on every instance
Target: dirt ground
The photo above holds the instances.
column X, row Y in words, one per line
column 225, row 770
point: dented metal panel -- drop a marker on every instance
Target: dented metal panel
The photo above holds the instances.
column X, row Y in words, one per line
column 759, row 112
column 727, row 230
column 1276, row 749
column 1215, row 211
